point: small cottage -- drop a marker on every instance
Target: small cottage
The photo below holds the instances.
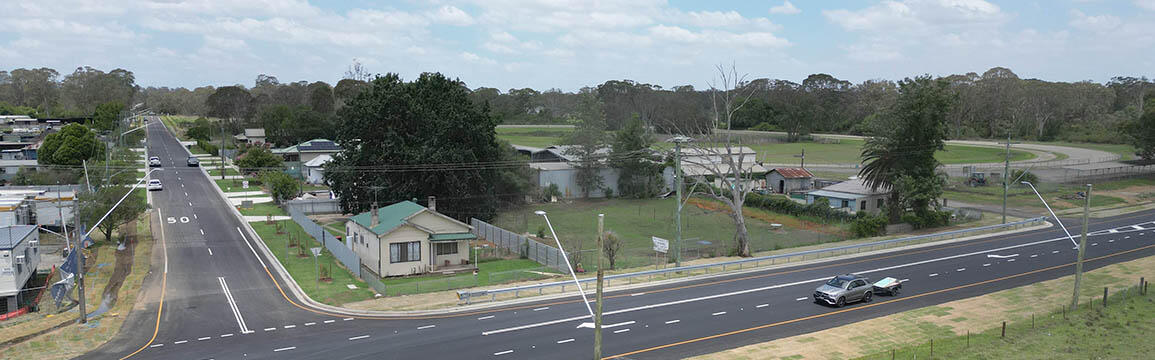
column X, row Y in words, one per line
column 789, row 180
column 406, row 238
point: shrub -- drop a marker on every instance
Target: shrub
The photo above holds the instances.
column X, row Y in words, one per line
column 866, row 225
column 765, row 126
column 609, row 193
column 927, row 219
column 208, row 147
column 1024, row 176
column 549, row 192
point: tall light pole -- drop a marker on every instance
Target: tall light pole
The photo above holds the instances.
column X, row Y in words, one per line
column 567, row 264
column 1078, row 245
column 678, row 140
column 1006, row 176
column 601, row 277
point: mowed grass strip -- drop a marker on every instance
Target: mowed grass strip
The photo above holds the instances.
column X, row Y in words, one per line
column 491, row 272
column 302, row 268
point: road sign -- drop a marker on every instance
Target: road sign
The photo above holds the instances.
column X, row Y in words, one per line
column 661, row 245
column 316, row 251
column 245, row 184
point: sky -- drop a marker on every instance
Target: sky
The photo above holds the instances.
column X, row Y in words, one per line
column 568, row 45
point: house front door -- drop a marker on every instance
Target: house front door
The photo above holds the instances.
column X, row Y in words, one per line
column 781, row 186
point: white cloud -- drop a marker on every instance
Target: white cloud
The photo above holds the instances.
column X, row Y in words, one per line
column 1146, row 4
column 1098, row 23
column 477, row 59
column 449, row 14
column 891, row 27
column 786, row 9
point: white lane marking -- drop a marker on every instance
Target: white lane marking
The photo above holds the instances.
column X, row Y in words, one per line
column 358, row 337
column 718, row 313
column 903, row 280
column 182, row 185
column 180, row 342
column 190, row 204
column 246, row 239
column 163, row 241
column 1111, row 241
column 284, row 349
column 1094, row 244
column 761, row 306
column 156, row 345
column 541, row 308
column 185, row 194
column 270, row 329
column 485, row 317
column 933, row 275
column 310, row 323
column 210, row 251
column 499, row 353
column 621, row 331
column 226, row 335
column 233, row 305
column 1001, row 256
column 290, row 326
column 564, row 341
column 1055, row 251
column 426, row 327
column 204, row 338
column 347, row 319
column 1137, row 227
column 770, row 287
column 800, row 299
column 329, row 321
column 195, row 216
column 987, row 264
column 1126, row 237
column 638, row 294
column 1011, row 260
column 673, row 322
column 961, row 269
column 202, row 232
column 1112, row 231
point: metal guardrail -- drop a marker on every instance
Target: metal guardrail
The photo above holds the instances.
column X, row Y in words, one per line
column 468, row 295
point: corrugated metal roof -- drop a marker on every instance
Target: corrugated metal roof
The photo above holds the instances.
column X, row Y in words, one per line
column 855, row 186
column 451, row 237
column 389, row 217
column 794, row 173
column 10, row 236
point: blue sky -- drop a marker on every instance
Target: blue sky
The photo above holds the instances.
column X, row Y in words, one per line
column 570, row 44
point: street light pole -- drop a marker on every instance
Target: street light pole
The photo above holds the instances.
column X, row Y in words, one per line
column 678, row 140
column 601, row 277
column 1006, row 176
column 1082, row 248
column 567, row 264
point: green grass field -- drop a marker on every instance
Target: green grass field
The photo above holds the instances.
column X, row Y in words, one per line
column 234, row 185
column 636, row 221
column 535, row 137
column 303, row 270
column 1023, row 197
column 492, row 272
column 264, row 209
column 228, row 171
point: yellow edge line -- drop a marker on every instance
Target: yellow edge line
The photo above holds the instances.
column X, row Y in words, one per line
column 163, row 283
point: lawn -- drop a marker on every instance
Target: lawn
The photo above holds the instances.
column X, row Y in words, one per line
column 264, row 209
column 535, row 137
column 636, row 221
column 491, row 272
column 847, row 151
column 1022, row 196
column 235, row 185
column 228, row 171
column 303, row 270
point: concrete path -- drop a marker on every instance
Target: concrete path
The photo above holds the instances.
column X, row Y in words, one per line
column 255, row 200
column 244, row 193
column 263, row 218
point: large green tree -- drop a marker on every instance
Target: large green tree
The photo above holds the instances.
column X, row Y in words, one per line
column 106, row 116
column 1141, row 132
column 899, row 154
column 94, row 205
column 70, row 146
column 404, row 140
column 640, row 168
column 258, row 159
column 586, row 144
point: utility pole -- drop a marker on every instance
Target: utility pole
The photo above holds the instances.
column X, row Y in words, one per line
column 221, row 152
column 1006, row 176
column 803, row 156
column 601, row 276
column 678, row 193
column 1082, row 249
column 79, row 262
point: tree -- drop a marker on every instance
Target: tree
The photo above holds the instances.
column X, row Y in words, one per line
column 587, row 143
column 281, row 185
column 899, row 154
column 258, row 159
column 229, row 102
column 70, row 146
column 403, row 140
column 611, row 247
column 1141, row 132
column 200, row 130
column 94, row 205
column 321, row 97
column 640, row 169
column 106, row 116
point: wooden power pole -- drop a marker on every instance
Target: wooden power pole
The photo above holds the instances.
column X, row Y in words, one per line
column 601, row 276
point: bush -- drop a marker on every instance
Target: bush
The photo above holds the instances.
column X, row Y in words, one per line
column 257, row 159
column 782, row 205
column 609, row 193
column 548, row 193
column 866, row 225
column 765, row 126
column 282, row 186
column 1025, row 176
column 208, row 147
column 927, row 219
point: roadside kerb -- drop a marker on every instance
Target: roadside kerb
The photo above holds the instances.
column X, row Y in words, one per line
column 468, row 296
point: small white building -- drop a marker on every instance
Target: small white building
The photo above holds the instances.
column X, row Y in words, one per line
column 701, row 164
column 852, row 196
column 315, row 169
column 406, row 238
column 788, row 180
column 19, row 256
column 252, row 136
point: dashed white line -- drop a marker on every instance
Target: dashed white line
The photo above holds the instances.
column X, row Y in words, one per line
column 541, row 308
column 1094, row 244
column 185, row 194
column 156, row 345
column 638, row 294
column 564, row 341
column 800, row 299
column 190, row 204
column 1055, row 251
column 270, row 329
column 329, row 321
column 485, row 317
column 762, row 306
column 195, row 216
column 718, row 313
column 903, row 280
column 621, row 331
column 202, row 231
column 933, row 275
column 204, row 338
column 1126, row 237
column 180, row 342
column 310, row 323
column 426, row 327
column 1011, row 260
column 499, row 353
column 290, row 326
column 987, row 264
column 226, row 335
column 358, row 337
column 673, row 322
column 347, row 319
column 210, row 251
column 1034, row 255
column 961, row 269
column 284, row 349
column 1111, row 241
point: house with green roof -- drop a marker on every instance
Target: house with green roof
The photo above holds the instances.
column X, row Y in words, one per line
column 406, row 238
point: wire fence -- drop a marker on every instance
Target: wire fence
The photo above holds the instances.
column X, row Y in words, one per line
column 517, row 244
column 335, row 246
column 1117, row 172
column 1004, row 333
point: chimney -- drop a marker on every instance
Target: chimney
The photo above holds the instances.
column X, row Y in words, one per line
column 432, row 204
column 374, row 220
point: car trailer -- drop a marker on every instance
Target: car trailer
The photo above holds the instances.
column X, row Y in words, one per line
column 888, row 286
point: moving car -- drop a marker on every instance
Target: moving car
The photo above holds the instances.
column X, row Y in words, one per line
column 154, row 162
column 154, row 185
column 843, row 289
column 193, row 161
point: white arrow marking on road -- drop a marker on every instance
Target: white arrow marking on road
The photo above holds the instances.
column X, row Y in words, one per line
column 1001, row 256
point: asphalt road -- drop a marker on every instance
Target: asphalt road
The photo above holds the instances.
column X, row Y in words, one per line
column 247, row 316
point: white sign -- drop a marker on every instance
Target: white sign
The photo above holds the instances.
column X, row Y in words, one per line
column 661, row 245
column 245, row 184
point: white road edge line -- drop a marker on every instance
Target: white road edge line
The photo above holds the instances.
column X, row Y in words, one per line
column 246, row 239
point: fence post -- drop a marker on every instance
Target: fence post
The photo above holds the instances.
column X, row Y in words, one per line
column 1004, row 329
column 932, row 348
column 1104, row 297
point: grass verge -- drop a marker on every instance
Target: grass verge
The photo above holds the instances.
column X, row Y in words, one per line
column 496, row 271
column 303, row 269
column 235, row 185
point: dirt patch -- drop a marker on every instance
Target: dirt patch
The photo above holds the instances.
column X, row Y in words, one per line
column 123, row 265
column 953, row 318
column 770, row 218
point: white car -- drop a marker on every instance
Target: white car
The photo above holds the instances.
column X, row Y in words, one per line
column 154, row 161
column 154, row 185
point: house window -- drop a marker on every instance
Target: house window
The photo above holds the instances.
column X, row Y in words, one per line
column 862, row 205
column 405, row 252
column 880, row 202
column 446, row 248
column 845, row 203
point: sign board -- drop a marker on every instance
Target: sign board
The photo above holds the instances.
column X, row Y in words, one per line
column 245, row 184
column 246, row 204
column 661, row 245
column 316, row 251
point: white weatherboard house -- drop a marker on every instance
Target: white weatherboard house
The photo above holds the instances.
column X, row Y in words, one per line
column 406, row 238
column 851, row 196
column 19, row 256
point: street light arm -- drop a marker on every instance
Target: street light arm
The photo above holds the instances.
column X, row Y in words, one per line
column 1072, row 238
column 94, row 226
column 567, row 264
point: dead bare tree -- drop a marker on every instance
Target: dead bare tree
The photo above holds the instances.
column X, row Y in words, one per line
column 716, row 162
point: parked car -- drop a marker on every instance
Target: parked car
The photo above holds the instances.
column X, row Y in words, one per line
column 154, row 185
column 154, row 161
column 843, row 289
column 193, row 161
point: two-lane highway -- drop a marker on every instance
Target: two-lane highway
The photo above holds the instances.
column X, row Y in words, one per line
column 221, row 301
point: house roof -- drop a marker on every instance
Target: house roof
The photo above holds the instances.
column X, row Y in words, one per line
column 319, row 161
column 252, row 133
column 315, row 145
column 855, row 186
column 793, row 173
column 10, row 236
column 836, row 194
column 561, row 151
column 389, row 217
column 451, row 237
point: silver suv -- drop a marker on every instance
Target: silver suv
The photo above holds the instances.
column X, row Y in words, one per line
column 843, row 289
